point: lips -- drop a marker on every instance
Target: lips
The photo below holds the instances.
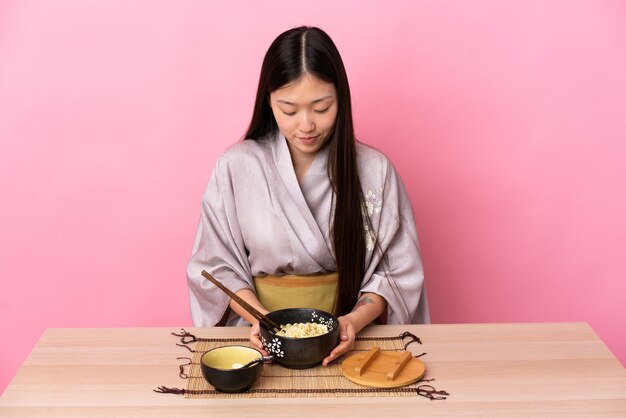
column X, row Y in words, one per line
column 308, row 139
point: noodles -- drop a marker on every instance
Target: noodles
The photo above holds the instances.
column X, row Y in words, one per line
column 301, row 330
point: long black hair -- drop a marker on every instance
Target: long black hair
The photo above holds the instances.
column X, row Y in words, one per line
column 310, row 50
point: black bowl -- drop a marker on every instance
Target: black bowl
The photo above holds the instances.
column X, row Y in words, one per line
column 300, row 353
column 217, row 368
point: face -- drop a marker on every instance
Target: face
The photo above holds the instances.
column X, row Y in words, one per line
column 305, row 112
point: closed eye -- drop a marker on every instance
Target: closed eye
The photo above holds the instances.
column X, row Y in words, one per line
column 288, row 113
column 323, row 110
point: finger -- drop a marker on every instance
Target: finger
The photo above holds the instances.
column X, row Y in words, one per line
column 342, row 348
column 259, row 346
column 346, row 343
column 348, row 333
column 255, row 339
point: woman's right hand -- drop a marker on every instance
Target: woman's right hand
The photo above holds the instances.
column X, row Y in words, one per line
column 255, row 338
column 250, row 297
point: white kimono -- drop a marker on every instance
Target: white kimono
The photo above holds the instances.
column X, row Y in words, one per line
column 257, row 220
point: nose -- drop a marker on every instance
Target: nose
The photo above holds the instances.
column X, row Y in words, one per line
column 306, row 123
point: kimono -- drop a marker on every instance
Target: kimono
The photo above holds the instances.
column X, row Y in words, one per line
column 258, row 220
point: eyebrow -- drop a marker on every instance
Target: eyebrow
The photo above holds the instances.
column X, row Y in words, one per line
column 314, row 101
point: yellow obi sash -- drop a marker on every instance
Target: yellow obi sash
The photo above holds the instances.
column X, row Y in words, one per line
column 291, row 291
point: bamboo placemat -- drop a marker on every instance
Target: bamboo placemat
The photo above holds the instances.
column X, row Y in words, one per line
column 278, row 381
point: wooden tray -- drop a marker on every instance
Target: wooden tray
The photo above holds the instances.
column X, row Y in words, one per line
column 383, row 369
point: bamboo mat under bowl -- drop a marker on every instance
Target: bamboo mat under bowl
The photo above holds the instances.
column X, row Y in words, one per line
column 278, row 381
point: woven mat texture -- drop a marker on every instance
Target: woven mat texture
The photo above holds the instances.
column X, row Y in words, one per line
column 278, row 381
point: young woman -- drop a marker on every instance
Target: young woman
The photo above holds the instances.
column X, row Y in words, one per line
column 299, row 214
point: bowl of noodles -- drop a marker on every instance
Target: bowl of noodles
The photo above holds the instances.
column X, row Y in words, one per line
column 306, row 337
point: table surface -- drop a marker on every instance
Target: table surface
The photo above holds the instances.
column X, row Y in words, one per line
column 490, row 370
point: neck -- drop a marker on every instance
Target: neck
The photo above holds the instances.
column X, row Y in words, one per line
column 301, row 165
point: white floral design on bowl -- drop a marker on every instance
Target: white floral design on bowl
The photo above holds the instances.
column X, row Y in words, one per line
column 319, row 319
column 273, row 347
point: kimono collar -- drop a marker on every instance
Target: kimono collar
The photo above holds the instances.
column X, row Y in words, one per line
column 302, row 218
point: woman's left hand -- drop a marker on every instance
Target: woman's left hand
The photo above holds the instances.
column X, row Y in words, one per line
column 347, row 335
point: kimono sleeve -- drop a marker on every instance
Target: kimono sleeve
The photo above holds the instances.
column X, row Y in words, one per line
column 395, row 269
column 219, row 249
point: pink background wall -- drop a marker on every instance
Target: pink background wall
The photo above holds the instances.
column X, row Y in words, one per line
column 506, row 120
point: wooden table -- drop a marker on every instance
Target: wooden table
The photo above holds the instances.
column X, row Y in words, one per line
column 490, row 370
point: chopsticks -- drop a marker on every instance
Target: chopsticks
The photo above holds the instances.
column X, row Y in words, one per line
column 263, row 320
